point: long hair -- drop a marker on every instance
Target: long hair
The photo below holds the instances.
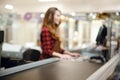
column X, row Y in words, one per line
column 49, row 22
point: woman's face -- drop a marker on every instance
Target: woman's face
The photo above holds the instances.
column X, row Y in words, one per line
column 57, row 15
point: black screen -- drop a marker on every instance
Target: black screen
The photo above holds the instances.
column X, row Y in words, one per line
column 101, row 35
column 1, row 36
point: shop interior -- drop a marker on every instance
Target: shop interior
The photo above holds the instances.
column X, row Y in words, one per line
column 78, row 29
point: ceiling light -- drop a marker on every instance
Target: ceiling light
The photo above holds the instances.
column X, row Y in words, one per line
column 93, row 15
column 9, row 6
column 46, row 0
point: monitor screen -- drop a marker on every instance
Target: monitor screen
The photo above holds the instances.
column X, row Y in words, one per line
column 102, row 33
column 1, row 36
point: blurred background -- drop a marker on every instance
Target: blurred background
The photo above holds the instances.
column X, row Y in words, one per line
column 81, row 19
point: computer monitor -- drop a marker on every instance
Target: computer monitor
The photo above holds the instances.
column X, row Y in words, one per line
column 1, row 36
column 1, row 41
column 102, row 33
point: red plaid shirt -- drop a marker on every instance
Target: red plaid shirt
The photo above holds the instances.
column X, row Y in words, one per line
column 47, row 43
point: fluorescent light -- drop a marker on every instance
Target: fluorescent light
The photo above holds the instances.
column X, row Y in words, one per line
column 9, row 6
column 46, row 0
column 93, row 15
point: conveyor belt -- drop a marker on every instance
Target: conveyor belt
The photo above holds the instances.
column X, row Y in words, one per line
column 60, row 70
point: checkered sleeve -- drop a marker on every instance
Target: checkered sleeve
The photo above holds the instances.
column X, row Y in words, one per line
column 46, row 42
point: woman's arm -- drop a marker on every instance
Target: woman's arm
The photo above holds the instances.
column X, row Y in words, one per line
column 56, row 54
column 64, row 56
column 72, row 54
column 67, row 52
column 46, row 42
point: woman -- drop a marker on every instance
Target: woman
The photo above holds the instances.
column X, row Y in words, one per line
column 50, row 41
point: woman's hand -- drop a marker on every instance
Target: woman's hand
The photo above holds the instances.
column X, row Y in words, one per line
column 75, row 54
column 72, row 54
column 65, row 56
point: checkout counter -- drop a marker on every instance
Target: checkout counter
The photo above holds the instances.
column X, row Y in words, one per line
column 58, row 69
